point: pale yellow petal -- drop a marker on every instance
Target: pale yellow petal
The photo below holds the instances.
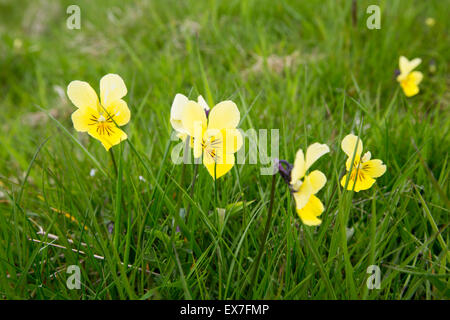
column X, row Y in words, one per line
column 309, row 213
column 407, row 66
column 302, row 195
column 193, row 118
column 224, row 115
column 317, row 180
column 314, row 152
column 119, row 111
column 374, row 168
column 202, row 103
column 348, row 145
column 416, row 77
column 82, row 95
column 84, row 118
column 365, row 157
column 176, row 111
column 299, row 169
column 112, row 88
column 233, row 140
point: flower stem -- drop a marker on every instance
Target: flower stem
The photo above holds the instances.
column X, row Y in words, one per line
column 113, row 161
column 180, row 197
column 191, row 193
column 266, row 231
column 118, row 210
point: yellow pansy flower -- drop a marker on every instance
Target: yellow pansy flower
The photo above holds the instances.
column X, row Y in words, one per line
column 214, row 134
column 409, row 80
column 430, row 21
column 100, row 119
column 364, row 169
column 305, row 186
column 176, row 111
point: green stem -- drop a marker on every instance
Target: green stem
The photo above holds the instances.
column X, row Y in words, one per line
column 266, row 232
column 373, row 238
column 118, row 200
column 191, row 193
column 348, row 266
column 215, row 188
column 113, row 161
column 180, row 197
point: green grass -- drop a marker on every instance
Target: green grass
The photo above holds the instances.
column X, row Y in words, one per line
column 341, row 80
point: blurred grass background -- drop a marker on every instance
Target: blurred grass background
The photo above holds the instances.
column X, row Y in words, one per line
column 302, row 67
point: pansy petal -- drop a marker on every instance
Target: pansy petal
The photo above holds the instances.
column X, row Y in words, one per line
column 112, row 88
column 176, row 111
column 407, row 66
column 309, row 213
column 193, row 118
column 82, row 95
column 362, row 183
column 314, row 152
column 374, row 168
column 409, row 88
column 224, row 115
column 317, row 180
column 233, row 140
column 119, row 111
column 114, row 137
column 202, row 103
column 220, row 168
column 348, row 145
column 366, row 157
column 416, row 77
column 303, row 194
column 84, row 118
column 298, row 171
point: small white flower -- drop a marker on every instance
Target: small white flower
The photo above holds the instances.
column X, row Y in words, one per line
column 92, row 172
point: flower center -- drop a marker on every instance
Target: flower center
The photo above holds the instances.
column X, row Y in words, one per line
column 357, row 172
column 105, row 126
column 210, row 146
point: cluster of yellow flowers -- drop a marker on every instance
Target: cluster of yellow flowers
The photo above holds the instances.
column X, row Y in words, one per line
column 360, row 176
column 213, row 136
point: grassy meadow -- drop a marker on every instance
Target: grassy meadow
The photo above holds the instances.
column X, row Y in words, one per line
column 311, row 69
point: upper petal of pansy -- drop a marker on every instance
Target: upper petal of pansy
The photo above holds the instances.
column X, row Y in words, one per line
column 314, row 152
column 202, row 103
column 82, row 95
column 84, row 118
column 112, row 88
column 366, row 156
column 119, row 111
column 374, row 168
column 224, row 115
column 193, row 116
column 407, row 66
column 298, row 171
column 348, row 145
column 176, row 111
